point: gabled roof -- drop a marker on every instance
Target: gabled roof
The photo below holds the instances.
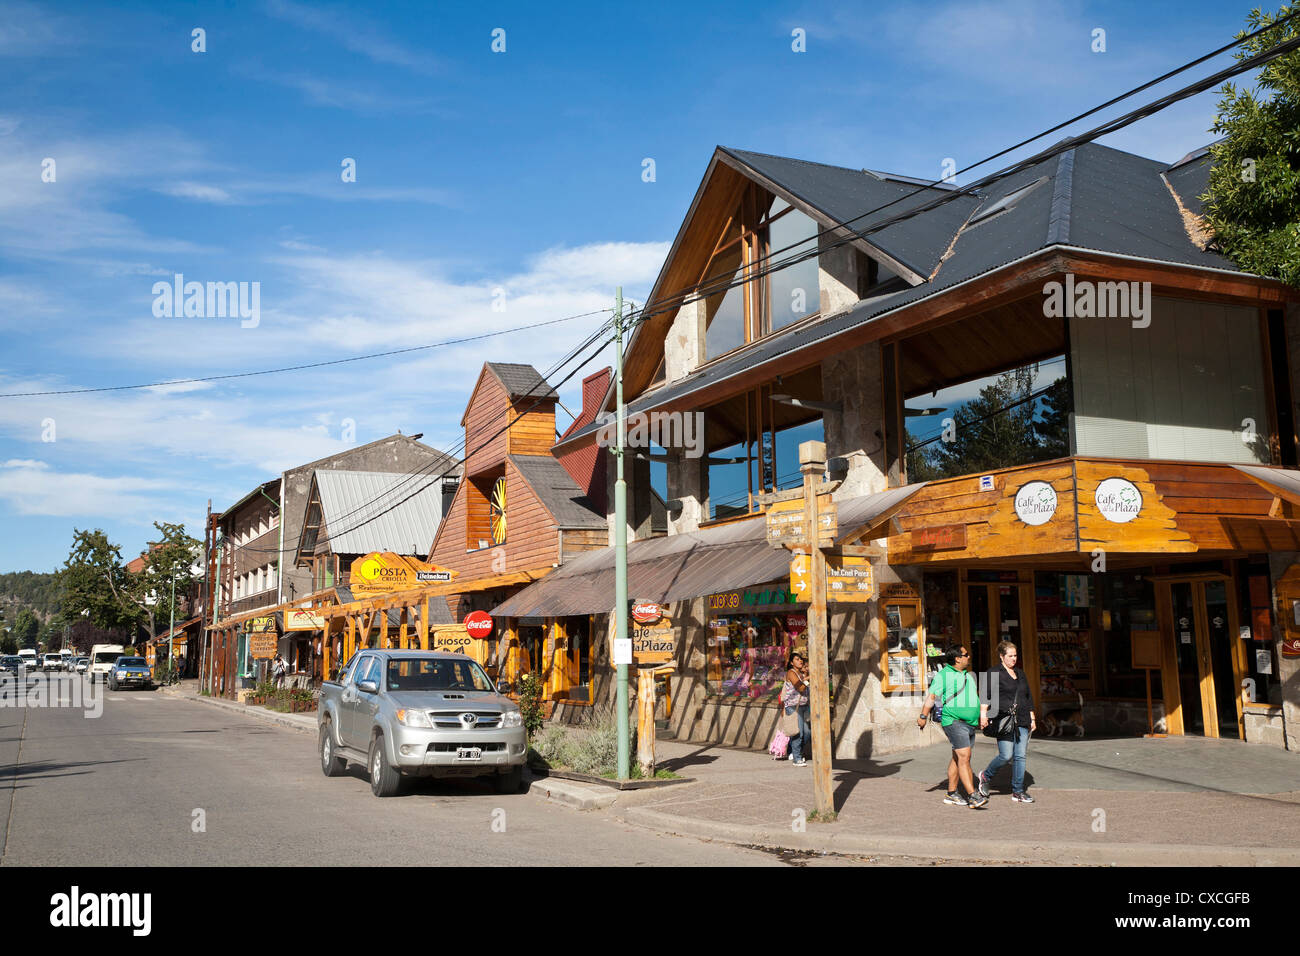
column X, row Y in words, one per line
column 1093, row 198
column 364, row 511
column 521, row 380
column 557, row 492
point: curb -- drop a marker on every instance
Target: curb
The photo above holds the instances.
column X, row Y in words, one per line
column 818, row 839
column 570, row 794
column 257, row 713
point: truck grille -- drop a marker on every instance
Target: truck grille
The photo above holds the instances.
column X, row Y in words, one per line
column 487, row 720
column 487, row 748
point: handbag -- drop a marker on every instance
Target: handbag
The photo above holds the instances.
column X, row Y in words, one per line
column 1003, row 726
column 780, row 745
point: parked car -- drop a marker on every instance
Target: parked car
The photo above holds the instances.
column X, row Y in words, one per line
column 10, row 663
column 130, row 672
column 82, row 665
column 419, row 713
column 102, row 659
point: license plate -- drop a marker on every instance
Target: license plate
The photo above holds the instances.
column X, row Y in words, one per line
column 469, row 753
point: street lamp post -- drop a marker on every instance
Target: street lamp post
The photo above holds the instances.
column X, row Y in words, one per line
column 171, row 630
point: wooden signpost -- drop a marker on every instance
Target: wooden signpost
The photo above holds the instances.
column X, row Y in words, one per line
column 848, row 578
column 787, row 522
column 1145, row 649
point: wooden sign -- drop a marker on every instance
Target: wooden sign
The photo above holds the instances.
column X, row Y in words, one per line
column 262, row 644
column 451, row 640
column 303, row 619
column 948, row 537
column 785, row 523
column 898, row 589
column 1145, row 648
column 652, row 644
column 848, row 578
column 383, row 572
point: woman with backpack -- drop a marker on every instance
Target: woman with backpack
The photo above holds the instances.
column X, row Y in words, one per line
column 1013, row 723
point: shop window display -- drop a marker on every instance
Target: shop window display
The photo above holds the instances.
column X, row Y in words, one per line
column 1128, row 604
column 748, row 653
column 1064, row 605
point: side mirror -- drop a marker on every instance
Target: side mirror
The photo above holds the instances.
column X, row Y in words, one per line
column 368, row 687
column 503, row 687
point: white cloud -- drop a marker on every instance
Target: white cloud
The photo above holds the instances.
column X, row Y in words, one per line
column 350, row 29
column 198, row 191
column 34, row 488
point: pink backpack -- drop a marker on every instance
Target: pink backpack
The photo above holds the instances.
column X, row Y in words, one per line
column 780, row 745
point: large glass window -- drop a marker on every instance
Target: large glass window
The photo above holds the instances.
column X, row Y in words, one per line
column 763, row 232
column 748, row 653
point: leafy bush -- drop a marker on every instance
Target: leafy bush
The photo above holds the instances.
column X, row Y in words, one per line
column 530, row 689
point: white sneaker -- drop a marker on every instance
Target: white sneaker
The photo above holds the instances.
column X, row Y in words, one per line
column 801, row 762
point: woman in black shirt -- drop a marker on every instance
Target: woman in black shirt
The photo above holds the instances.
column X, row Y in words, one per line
column 1013, row 695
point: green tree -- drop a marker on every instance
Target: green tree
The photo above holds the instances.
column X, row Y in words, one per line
column 149, row 591
column 93, row 579
column 992, row 431
column 1054, row 427
column 52, row 633
column 8, row 645
column 26, row 628
column 1253, row 203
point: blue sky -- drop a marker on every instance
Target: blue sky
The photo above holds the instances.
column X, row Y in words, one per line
column 475, row 171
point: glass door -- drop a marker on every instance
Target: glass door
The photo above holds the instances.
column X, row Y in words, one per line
column 1204, row 622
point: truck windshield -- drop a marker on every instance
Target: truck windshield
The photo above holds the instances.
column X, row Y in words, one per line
column 415, row 673
column 107, row 657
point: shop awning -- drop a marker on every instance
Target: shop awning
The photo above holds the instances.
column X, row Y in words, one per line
column 1281, row 482
column 179, row 631
column 679, row 567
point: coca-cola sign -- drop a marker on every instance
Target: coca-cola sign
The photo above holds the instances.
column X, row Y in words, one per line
column 1118, row 500
column 647, row 612
column 478, row 624
column 1035, row 502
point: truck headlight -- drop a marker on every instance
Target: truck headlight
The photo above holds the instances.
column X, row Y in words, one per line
column 512, row 718
column 414, row 718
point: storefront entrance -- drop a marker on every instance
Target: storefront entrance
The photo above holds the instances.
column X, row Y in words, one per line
column 997, row 611
column 1198, row 625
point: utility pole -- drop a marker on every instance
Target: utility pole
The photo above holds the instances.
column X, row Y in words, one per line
column 171, row 631
column 812, row 463
column 622, row 645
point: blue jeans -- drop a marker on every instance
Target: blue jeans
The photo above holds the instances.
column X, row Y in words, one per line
column 803, row 738
column 1013, row 751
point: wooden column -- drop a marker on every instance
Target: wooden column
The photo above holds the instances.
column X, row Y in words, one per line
column 424, row 624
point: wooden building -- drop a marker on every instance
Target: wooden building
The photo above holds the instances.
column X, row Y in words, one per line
column 517, row 515
column 1157, row 537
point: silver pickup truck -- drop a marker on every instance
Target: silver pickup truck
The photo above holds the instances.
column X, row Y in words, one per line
column 419, row 713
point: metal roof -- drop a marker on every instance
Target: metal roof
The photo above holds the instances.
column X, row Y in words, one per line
column 679, row 567
column 1097, row 198
column 366, row 511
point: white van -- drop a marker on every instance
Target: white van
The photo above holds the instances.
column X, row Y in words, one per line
column 102, row 659
column 30, row 661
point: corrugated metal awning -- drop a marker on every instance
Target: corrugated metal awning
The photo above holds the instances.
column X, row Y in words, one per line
column 683, row 566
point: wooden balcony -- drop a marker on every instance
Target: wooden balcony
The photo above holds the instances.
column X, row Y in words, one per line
column 1061, row 513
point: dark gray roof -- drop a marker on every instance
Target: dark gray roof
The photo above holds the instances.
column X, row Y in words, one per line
column 1095, row 198
column 522, row 380
column 845, row 194
column 558, row 492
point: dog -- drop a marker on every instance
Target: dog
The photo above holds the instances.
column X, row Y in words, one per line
column 1054, row 724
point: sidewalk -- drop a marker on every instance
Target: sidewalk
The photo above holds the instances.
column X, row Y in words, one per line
column 1177, row 801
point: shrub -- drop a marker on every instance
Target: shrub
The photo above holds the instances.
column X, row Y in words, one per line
column 530, row 703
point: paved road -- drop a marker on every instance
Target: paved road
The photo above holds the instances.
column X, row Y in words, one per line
column 124, row 788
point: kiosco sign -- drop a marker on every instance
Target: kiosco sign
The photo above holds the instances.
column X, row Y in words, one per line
column 478, row 624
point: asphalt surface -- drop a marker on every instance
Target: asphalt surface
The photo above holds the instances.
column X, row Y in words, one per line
column 159, row 780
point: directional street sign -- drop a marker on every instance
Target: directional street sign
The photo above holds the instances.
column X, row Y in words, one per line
column 785, row 522
column 848, row 578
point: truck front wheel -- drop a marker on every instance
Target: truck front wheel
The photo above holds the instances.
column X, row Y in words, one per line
column 385, row 781
column 331, row 765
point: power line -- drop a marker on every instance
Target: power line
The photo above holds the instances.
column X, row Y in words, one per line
column 1037, row 366
column 702, row 290
column 299, row 368
column 440, row 462
column 993, row 414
